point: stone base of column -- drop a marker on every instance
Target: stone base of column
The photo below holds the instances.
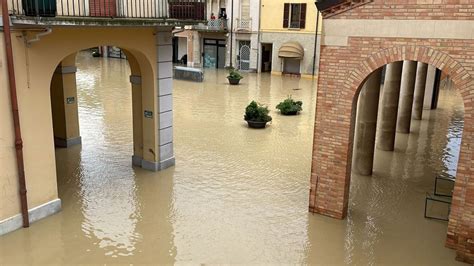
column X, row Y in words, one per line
column 153, row 166
column 340, row 215
column 167, row 163
column 65, row 143
column 137, row 161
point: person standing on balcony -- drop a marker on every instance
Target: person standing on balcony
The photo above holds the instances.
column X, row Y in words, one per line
column 223, row 15
column 212, row 16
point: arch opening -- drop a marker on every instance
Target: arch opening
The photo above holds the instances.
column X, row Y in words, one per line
column 407, row 124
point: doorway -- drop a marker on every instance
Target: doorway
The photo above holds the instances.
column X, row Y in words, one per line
column 291, row 66
column 244, row 55
column 266, row 57
column 214, row 53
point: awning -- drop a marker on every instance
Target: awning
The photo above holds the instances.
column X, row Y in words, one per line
column 291, row 50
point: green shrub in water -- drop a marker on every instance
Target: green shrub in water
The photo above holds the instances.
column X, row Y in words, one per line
column 257, row 112
column 234, row 74
column 289, row 106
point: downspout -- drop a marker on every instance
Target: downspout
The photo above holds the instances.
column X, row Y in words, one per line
column 16, row 117
column 259, row 45
column 315, row 40
column 231, row 31
column 38, row 36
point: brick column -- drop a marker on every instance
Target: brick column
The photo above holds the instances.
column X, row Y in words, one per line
column 64, row 104
column 165, row 98
column 390, row 98
column 406, row 96
column 366, row 125
column 420, row 84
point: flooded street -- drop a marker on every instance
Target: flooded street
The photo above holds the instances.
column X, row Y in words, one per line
column 236, row 195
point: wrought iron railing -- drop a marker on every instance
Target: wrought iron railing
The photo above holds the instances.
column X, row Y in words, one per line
column 174, row 9
column 244, row 24
column 213, row 25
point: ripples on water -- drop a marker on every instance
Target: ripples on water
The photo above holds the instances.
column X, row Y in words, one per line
column 236, row 195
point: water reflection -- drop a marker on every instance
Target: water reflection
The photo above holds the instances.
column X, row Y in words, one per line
column 235, row 195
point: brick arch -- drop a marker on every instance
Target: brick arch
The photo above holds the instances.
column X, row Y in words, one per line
column 459, row 236
column 424, row 54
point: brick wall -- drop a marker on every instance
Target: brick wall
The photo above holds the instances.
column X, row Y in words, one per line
column 342, row 71
column 413, row 9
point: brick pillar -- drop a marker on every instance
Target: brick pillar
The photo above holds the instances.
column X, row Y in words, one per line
column 420, row 84
column 390, row 98
column 64, row 104
column 366, row 125
column 406, row 96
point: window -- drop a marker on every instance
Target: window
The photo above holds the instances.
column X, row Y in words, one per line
column 294, row 16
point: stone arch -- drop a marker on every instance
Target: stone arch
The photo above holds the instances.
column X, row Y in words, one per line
column 137, row 98
column 459, row 235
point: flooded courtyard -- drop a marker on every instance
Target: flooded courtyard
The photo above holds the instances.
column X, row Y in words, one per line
column 236, row 195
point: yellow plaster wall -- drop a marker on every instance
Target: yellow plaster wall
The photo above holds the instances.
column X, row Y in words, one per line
column 9, row 196
column 272, row 16
column 33, row 83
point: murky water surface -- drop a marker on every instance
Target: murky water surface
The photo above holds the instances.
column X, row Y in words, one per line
column 236, row 195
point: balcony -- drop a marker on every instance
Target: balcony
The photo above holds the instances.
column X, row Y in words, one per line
column 214, row 25
column 107, row 12
column 243, row 24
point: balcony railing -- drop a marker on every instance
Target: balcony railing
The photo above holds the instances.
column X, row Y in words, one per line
column 244, row 24
column 159, row 9
column 213, row 25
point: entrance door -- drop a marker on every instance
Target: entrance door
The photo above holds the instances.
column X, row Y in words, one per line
column 291, row 66
column 214, row 53
column 244, row 55
column 266, row 57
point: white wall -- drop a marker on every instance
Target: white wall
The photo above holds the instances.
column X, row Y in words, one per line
column 182, row 47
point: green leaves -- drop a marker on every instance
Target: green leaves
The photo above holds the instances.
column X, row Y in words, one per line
column 257, row 112
column 234, row 74
column 289, row 106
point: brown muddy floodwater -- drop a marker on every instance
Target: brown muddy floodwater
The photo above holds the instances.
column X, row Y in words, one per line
column 236, row 195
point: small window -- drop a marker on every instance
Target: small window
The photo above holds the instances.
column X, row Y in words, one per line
column 294, row 16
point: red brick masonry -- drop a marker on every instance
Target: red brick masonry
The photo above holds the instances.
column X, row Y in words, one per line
column 343, row 69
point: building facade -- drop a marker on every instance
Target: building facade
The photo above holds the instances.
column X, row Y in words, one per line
column 231, row 31
column 38, row 109
column 288, row 39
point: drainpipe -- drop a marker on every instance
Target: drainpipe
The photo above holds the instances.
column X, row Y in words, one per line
column 316, row 39
column 231, row 30
column 259, row 43
column 16, row 117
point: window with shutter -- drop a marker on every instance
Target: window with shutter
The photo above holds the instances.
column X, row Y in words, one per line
column 295, row 14
column 286, row 15
column 303, row 16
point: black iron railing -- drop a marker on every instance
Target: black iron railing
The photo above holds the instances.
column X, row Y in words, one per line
column 173, row 9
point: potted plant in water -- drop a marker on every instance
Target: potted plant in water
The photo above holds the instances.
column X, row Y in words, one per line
column 256, row 115
column 289, row 106
column 234, row 76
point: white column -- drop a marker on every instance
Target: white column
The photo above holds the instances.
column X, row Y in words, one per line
column 429, row 89
column 165, row 98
